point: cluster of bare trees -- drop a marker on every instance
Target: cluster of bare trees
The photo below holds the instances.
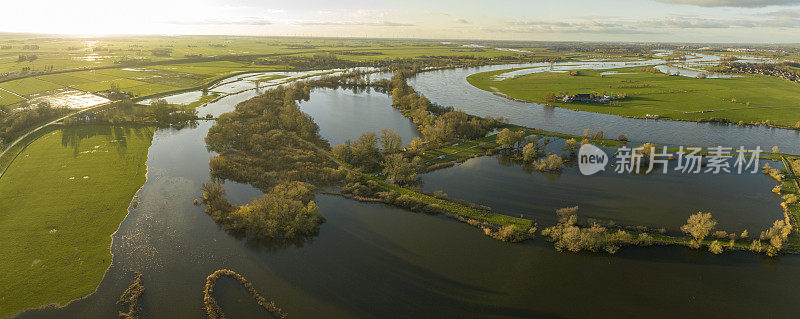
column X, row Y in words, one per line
column 699, row 225
column 568, row 235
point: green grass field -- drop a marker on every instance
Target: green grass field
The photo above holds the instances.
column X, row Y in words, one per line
column 60, row 201
column 673, row 97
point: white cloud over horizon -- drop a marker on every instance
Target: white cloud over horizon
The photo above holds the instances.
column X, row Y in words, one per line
column 734, row 3
column 572, row 20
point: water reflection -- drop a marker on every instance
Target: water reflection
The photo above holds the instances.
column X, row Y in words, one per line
column 116, row 136
column 371, row 260
column 656, row 200
column 344, row 114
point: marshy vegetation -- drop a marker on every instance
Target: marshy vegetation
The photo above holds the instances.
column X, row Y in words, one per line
column 269, row 143
column 132, row 298
column 568, row 235
column 213, row 309
column 285, row 212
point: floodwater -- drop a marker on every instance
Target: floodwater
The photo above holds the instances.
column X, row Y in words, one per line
column 69, row 98
column 181, row 99
column 374, row 261
column 692, row 73
column 343, row 115
column 655, row 200
column 450, row 88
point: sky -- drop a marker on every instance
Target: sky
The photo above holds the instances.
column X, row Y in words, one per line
column 729, row 21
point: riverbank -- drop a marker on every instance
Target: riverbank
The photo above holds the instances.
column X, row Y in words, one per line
column 748, row 100
column 58, row 229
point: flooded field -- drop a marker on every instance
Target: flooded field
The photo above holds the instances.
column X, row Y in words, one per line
column 69, row 98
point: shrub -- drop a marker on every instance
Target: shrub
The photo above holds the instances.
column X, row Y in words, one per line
column 132, row 296
column 551, row 162
column 510, row 233
column 715, row 247
column 571, row 146
column 644, row 240
column 698, row 226
column 756, row 246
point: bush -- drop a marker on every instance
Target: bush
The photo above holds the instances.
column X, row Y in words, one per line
column 510, row 233
column 715, row 247
column 285, row 212
column 756, row 246
column 571, row 146
column 698, row 226
column 551, row 162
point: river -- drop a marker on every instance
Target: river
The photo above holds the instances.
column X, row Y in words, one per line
column 375, row 261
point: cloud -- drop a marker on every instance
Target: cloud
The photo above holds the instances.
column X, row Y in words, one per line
column 783, row 14
column 369, row 14
column 540, row 26
column 356, row 23
column 462, row 21
column 245, row 21
column 734, row 3
column 684, row 23
column 781, row 19
column 438, row 13
column 778, row 19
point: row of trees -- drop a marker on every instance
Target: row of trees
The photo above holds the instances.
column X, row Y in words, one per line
column 15, row 122
column 699, row 225
column 437, row 124
column 530, row 150
column 371, row 153
column 159, row 112
column 568, row 235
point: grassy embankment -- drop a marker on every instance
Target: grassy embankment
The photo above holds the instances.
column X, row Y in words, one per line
column 60, row 201
column 461, row 151
column 791, row 185
column 750, row 98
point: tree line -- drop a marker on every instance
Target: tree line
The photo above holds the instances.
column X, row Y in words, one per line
column 15, row 122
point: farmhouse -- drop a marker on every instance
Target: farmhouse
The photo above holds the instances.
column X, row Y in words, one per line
column 589, row 98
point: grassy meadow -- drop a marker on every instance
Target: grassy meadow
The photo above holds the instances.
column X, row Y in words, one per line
column 673, row 97
column 60, row 201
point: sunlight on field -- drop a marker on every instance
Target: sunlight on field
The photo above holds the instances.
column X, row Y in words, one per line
column 60, row 201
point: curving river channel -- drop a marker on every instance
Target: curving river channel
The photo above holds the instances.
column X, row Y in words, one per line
column 450, row 87
column 375, row 261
